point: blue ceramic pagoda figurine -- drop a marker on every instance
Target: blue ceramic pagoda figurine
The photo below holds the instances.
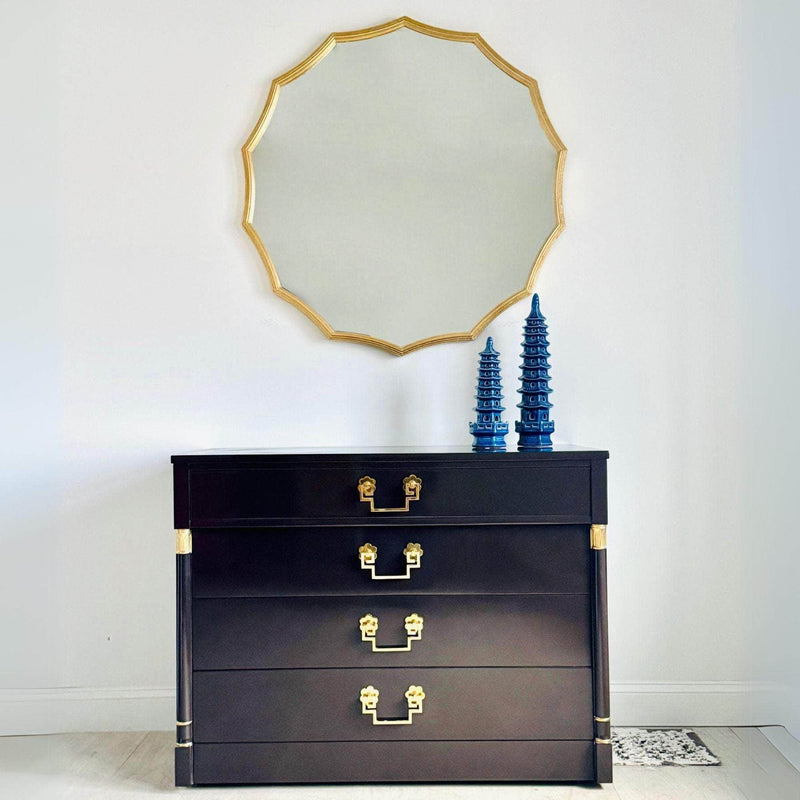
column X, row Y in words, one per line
column 489, row 431
column 534, row 426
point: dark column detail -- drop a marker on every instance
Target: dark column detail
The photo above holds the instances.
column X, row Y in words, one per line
column 183, row 747
column 602, row 710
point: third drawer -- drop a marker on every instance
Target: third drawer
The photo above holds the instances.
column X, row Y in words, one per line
column 468, row 630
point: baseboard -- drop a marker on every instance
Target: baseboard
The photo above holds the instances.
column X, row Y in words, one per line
column 735, row 703
column 65, row 710
column 655, row 704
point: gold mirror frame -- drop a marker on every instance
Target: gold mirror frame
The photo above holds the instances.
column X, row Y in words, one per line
column 303, row 67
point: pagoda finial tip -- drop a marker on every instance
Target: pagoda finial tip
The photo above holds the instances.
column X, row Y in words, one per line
column 535, row 304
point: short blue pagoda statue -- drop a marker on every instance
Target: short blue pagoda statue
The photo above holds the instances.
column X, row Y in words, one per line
column 534, row 426
column 489, row 431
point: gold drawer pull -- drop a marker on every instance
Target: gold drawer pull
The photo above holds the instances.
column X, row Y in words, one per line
column 369, row 629
column 368, row 555
column 369, row 705
column 412, row 486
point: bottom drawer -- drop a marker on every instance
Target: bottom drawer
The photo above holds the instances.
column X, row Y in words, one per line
column 404, row 762
column 306, row 705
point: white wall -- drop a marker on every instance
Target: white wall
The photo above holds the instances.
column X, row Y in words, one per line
column 139, row 323
column 771, row 335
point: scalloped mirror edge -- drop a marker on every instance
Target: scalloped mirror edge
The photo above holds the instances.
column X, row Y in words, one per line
column 303, row 67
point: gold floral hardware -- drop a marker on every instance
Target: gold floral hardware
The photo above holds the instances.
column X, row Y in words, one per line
column 413, row 552
column 367, row 486
column 415, row 695
column 412, row 487
column 369, row 699
column 414, row 623
column 368, row 625
column 368, row 555
column 369, row 705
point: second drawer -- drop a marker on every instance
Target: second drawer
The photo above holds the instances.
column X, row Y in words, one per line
column 467, row 630
column 475, row 559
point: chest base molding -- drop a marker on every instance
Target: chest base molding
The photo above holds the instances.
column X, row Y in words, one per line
column 405, row 762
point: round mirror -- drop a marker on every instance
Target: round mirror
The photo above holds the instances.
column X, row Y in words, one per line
column 403, row 185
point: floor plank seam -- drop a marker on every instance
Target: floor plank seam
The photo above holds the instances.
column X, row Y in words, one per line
column 132, row 753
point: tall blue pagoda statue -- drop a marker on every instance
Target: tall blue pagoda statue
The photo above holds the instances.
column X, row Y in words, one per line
column 534, row 426
column 489, row 431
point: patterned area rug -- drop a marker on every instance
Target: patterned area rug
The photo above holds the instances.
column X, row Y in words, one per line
column 675, row 747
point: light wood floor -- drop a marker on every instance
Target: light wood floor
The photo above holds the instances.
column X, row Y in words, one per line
column 127, row 766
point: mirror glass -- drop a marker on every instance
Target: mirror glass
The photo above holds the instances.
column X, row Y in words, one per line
column 402, row 187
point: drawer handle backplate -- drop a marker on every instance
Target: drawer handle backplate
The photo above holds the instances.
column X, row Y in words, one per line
column 368, row 624
column 369, row 705
column 368, row 555
column 412, row 486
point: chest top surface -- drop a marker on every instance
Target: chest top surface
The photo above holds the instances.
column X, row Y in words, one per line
column 344, row 455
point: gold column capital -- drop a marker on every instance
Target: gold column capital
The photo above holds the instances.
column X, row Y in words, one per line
column 183, row 541
column 597, row 537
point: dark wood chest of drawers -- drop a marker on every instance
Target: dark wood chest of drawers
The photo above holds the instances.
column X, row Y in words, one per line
column 391, row 616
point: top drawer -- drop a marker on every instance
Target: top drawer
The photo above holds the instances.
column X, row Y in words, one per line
column 231, row 491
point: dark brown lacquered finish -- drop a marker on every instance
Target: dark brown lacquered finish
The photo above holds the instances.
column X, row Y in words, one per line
column 513, row 655
column 544, row 630
column 455, row 487
column 184, row 753
column 601, row 691
column 300, row 705
column 401, row 762
column 183, row 659
column 478, row 559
